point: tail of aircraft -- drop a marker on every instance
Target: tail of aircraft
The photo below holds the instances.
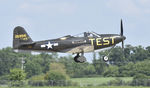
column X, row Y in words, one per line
column 20, row 36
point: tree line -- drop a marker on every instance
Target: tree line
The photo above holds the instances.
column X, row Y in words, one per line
column 134, row 61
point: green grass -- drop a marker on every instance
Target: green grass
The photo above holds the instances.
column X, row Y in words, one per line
column 82, row 87
column 98, row 80
column 94, row 81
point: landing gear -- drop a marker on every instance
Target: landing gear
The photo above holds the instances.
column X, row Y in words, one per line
column 79, row 59
column 76, row 58
column 105, row 58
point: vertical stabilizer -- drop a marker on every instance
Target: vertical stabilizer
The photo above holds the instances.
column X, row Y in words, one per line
column 20, row 36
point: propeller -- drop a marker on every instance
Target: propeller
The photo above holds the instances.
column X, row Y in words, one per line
column 121, row 28
column 122, row 34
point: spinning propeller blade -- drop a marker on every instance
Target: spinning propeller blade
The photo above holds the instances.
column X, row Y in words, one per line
column 121, row 28
column 121, row 33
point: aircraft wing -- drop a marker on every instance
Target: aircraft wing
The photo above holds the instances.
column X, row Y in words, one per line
column 79, row 49
column 28, row 43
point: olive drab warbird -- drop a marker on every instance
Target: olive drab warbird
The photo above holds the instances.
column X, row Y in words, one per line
column 78, row 45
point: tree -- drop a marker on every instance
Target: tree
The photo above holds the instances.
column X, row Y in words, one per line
column 89, row 70
column 8, row 60
column 99, row 65
column 111, row 71
column 139, row 54
column 127, row 70
column 56, row 74
column 141, row 80
column 32, row 68
column 58, row 67
column 17, row 76
column 74, row 69
column 45, row 60
column 117, row 57
column 131, row 69
column 148, row 49
column 68, row 62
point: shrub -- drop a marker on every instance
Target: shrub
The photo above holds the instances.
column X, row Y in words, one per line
column 116, row 82
column 55, row 78
column 37, row 81
column 111, row 71
column 141, row 80
column 16, row 77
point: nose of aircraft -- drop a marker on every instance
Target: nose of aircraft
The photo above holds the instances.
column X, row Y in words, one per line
column 120, row 39
column 123, row 37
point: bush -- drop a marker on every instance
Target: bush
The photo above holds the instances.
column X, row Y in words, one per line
column 37, row 81
column 16, row 77
column 116, row 82
column 111, row 71
column 17, row 83
column 55, row 78
column 141, row 80
column 4, row 79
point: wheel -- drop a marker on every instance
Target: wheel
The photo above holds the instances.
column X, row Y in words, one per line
column 105, row 58
column 81, row 59
column 76, row 58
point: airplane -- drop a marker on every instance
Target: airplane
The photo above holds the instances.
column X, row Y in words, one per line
column 88, row 42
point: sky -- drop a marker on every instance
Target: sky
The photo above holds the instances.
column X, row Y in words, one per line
column 48, row 19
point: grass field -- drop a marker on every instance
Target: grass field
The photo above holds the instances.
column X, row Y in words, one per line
column 87, row 81
column 82, row 87
column 98, row 80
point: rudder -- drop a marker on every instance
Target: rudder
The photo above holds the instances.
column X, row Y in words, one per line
column 20, row 36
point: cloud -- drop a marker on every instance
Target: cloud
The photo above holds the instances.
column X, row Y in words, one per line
column 49, row 8
column 130, row 7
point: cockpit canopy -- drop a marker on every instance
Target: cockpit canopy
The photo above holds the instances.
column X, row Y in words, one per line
column 84, row 34
column 87, row 34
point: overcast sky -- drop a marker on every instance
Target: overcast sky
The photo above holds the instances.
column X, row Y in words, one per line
column 47, row 19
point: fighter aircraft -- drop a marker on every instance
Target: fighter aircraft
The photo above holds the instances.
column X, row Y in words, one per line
column 88, row 42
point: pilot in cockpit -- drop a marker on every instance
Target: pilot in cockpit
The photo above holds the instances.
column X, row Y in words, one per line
column 89, row 34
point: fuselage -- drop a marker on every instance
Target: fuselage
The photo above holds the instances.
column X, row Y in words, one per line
column 61, row 44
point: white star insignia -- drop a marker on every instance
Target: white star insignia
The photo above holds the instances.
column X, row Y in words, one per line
column 49, row 45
